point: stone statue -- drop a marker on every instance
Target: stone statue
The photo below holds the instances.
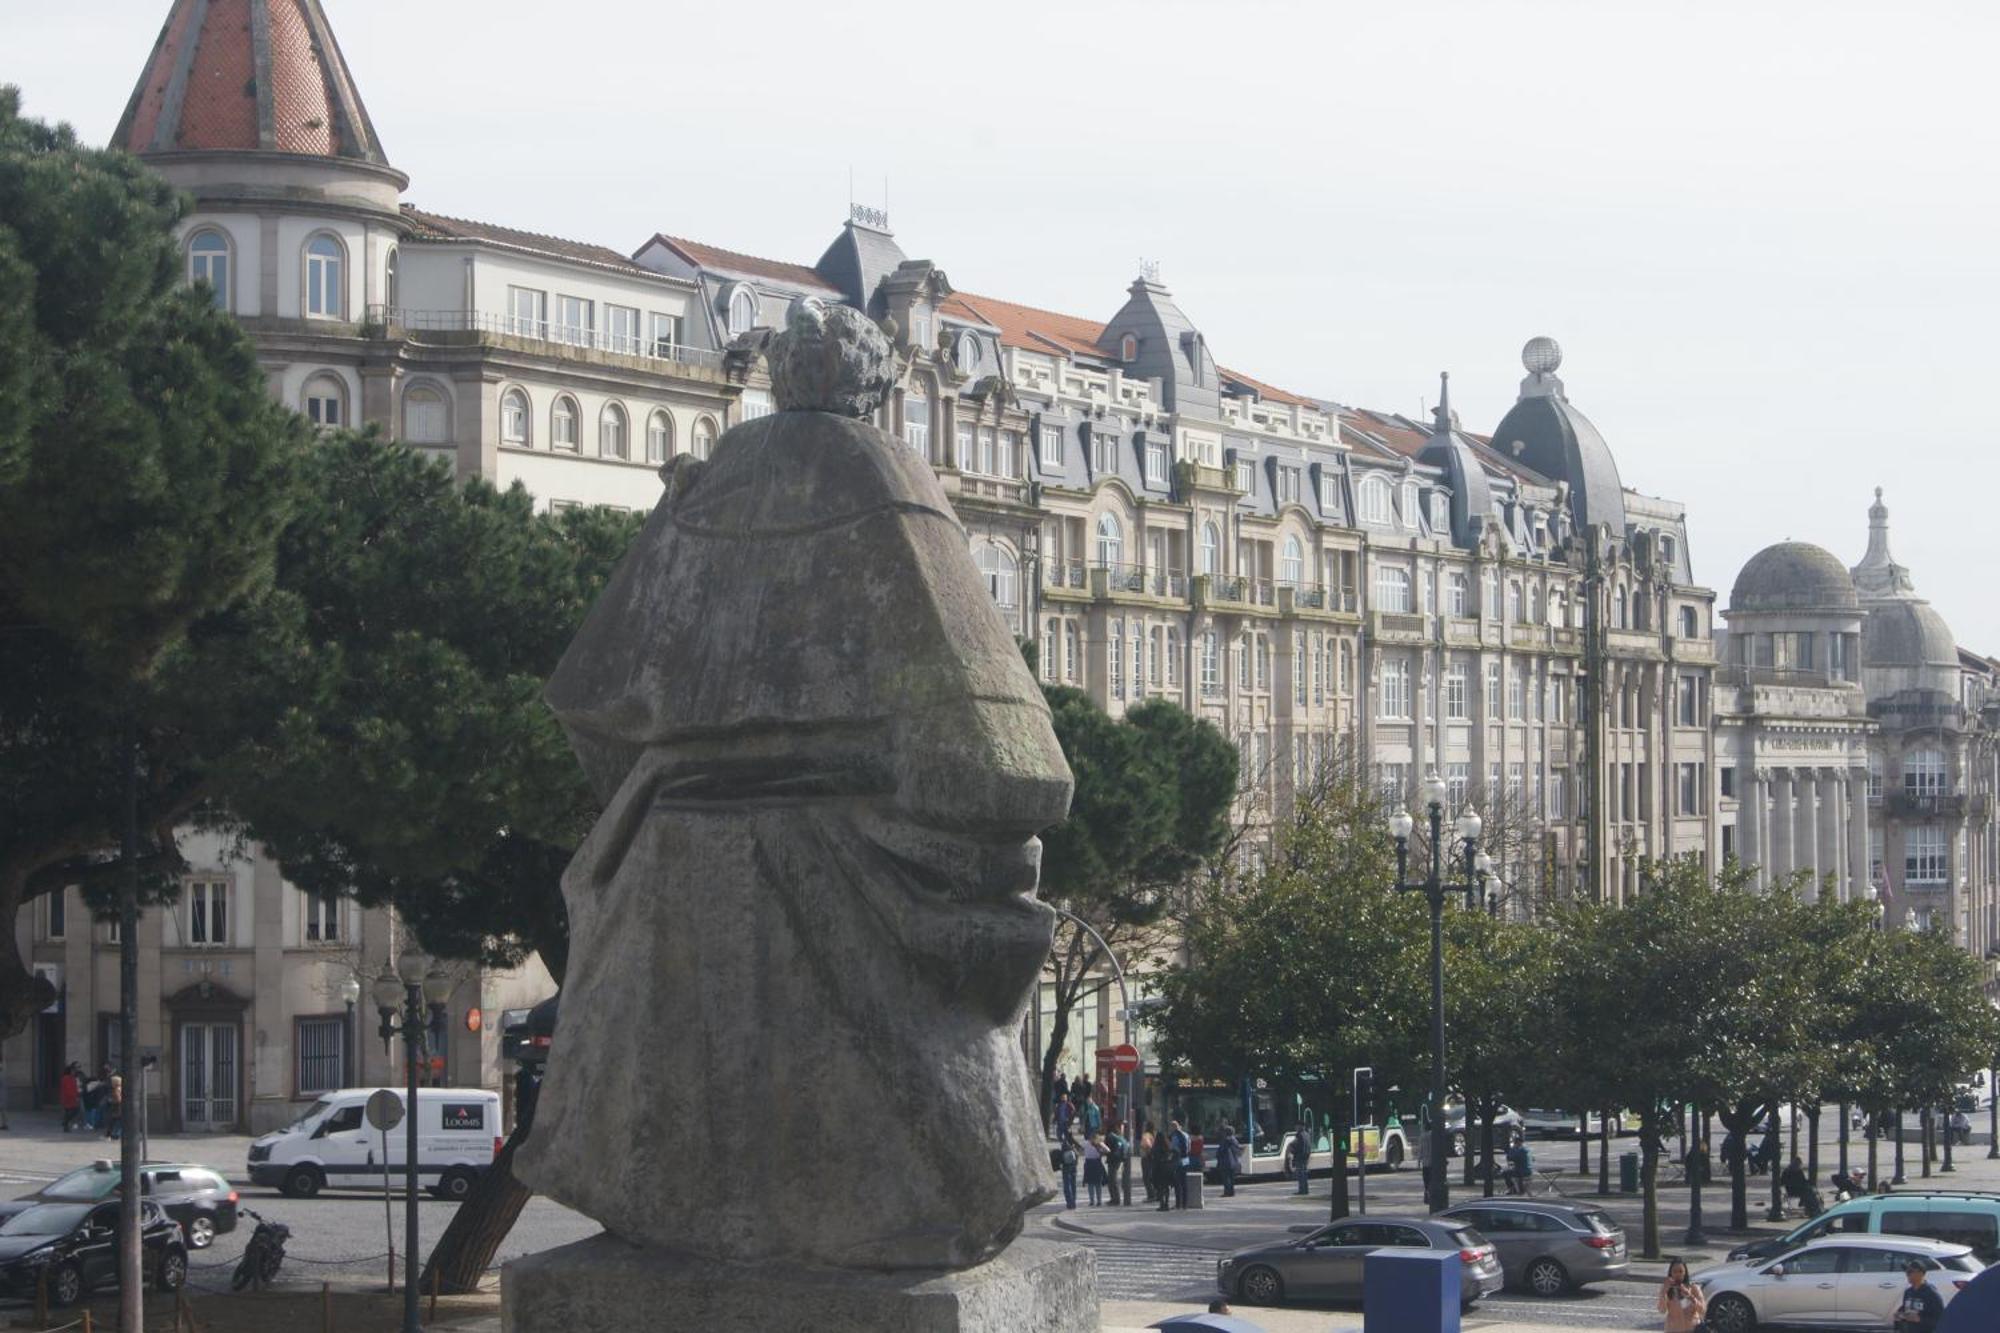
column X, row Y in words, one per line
column 824, row 762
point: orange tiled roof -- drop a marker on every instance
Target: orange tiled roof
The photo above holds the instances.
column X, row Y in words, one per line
column 732, row 261
column 252, row 75
column 1026, row 327
column 436, row 226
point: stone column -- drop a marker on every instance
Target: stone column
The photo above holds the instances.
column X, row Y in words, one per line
column 1782, row 821
column 1805, row 833
column 1750, row 826
column 1831, row 809
column 1857, row 833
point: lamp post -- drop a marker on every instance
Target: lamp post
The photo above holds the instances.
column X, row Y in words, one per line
column 1433, row 886
column 350, row 1036
column 406, row 994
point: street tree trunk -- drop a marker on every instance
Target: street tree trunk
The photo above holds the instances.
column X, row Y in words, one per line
column 1604, row 1151
column 1738, row 1119
column 1336, row 1185
column 1649, row 1179
column 1486, row 1151
column 462, row 1254
column 131, row 1284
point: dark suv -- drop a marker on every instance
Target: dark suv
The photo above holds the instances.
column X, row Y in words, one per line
column 526, row 1034
column 195, row 1196
column 74, row 1247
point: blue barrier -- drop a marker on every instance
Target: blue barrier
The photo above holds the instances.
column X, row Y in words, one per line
column 1411, row 1291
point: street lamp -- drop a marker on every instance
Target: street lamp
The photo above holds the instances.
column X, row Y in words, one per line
column 350, row 1036
column 1467, row 828
column 412, row 988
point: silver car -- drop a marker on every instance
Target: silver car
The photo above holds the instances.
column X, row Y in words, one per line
column 1844, row 1280
column 1548, row 1248
column 1327, row 1264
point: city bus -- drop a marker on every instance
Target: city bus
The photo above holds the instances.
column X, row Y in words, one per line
column 1265, row 1118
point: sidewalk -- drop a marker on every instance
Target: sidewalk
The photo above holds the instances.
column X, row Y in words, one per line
column 34, row 1149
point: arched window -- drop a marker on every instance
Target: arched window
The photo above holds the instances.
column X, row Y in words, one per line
column 1392, row 588
column 389, row 286
column 1535, row 604
column 1409, row 504
column 562, row 424
column 1292, row 564
column 326, row 287
column 515, row 419
column 613, row 435
column 1211, row 550
column 1346, row 667
column 1110, row 541
column 1371, row 501
column 703, row 443
column 742, row 311
column 1003, row 575
column 659, row 438
column 1128, row 348
column 1514, row 606
column 968, row 353
column 325, row 400
column 208, row 261
column 1690, row 623
column 1622, row 616
column 426, row 419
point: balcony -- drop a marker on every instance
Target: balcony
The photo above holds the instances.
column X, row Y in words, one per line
column 1926, row 805
column 1401, row 626
column 473, row 326
column 1064, row 574
column 1107, row 580
column 1167, row 583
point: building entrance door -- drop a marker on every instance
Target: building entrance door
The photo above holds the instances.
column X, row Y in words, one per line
column 49, row 1061
column 208, row 1076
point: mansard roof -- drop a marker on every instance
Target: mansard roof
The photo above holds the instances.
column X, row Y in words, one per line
column 734, row 263
column 1236, row 379
column 1033, row 330
column 248, row 76
column 438, row 227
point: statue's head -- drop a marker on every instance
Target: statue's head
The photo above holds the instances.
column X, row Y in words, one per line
column 830, row 360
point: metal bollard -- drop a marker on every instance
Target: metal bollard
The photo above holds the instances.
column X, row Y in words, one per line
column 326, row 1307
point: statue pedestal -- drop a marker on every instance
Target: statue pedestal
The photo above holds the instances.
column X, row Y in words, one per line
column 604, row 1282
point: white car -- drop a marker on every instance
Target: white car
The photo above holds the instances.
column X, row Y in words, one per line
column 1848, row 1281
column 1542, row 1122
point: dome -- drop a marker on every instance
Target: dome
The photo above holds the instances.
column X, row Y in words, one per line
column 1907, row 633
column 1793, row 576
column 1549, row 435
column 248, row 76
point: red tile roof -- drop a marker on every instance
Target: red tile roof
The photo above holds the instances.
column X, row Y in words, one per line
column 254, row 75
column 1023, row 326
column 438, row 227
column 1266, row 391
column 732, row 261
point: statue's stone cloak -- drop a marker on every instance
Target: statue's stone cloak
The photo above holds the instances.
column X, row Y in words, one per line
column 803, row 933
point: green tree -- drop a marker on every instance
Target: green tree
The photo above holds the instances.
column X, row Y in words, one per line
column 1499, row 1011
column 1310, row 967
column 1152, row 801
column 144, row 474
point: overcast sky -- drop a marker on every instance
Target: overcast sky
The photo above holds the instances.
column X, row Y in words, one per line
column 1763, row 232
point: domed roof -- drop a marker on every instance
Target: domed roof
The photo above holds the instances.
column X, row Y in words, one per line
column 1548, row 434
column 1907, row 633
column 1793, row 576
column 248, row 76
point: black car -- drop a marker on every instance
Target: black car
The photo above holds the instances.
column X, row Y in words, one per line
column 526, row 1034
column 74, row 1247
column 195, row 1196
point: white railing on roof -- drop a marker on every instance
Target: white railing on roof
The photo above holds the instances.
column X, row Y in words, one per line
column 541, row 331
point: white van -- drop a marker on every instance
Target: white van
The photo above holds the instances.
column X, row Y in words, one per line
column 458, row 1136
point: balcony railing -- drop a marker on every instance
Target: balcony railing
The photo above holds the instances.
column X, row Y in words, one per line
column 1221, row 589
column 542, row 331
column 1167, row 583
column 1927, row 805
column 1064, row 573
column 1124, row 578
column 1311, row 599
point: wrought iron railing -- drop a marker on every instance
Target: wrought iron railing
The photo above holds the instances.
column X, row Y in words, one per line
column 541, row 331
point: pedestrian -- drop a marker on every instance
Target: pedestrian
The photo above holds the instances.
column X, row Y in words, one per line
column 1219, row 1307
column 1179, row 1162
column 1147, row 1179
column 1116, row 1151
column 1066, row 1156
column 1961, row 1129
column 1093, row 1169
column 1091, row 1113
column 1065, row 1116
column 1921, row 1306
column 1798, row 1185
column 1520, row 1172
column 1163, row 1169
column 1681, row 1301
column 93, row 1100
column 69, row 1091
column 1228, row 1160
column 1197, row 1154
column 1298, row 1156
column 1698, row 1172
column 1079, row 1089
column 114, row 1107
column 1424, row 1147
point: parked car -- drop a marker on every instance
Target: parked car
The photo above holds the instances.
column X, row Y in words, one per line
column 458, row 1136
column 526, row 1034
column 1954, row 1216
column 1505, row 1121
column 1547, row 1248
column 1550, row 1122
column 1853, row 1281
column 75, row 1246
column 1327, row 1264
column 195, row 1196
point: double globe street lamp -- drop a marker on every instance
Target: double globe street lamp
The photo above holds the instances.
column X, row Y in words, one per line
column 411, row 990
column 1477, row 866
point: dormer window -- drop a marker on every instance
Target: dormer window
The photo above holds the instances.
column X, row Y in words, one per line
column 1409, row 504
column 742, row 311
column 1128, row 348
column 920, row 327
column 1371, row 500
column 968, row 353
column 1440, row 511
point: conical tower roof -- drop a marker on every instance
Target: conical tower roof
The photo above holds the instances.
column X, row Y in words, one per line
column 248, row 76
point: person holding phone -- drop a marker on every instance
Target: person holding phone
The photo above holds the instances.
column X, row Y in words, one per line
column 1921, row 1306
column 1681, row 1301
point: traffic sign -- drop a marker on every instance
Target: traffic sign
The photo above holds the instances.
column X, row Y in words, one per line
column 1122, row 1059
column 385, row 1110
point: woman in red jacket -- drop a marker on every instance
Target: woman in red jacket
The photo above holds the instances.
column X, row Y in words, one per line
column 70, row 1090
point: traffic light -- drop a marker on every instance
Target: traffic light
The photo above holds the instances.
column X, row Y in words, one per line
column 1365, row 1110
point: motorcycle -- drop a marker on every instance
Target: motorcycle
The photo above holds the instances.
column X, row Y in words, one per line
column 263, row 1255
